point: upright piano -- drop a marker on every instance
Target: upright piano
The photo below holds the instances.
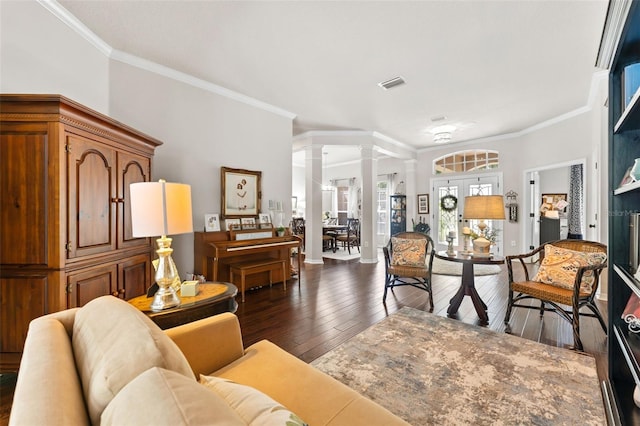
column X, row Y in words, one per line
column 215, row 251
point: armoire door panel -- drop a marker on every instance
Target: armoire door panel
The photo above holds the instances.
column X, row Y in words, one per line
column 92, row 205
column 29, row 293
column 134, row 276
column 24, row 186
column 131, row 169
column 88, row 284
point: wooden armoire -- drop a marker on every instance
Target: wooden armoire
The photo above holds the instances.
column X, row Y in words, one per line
column 65, row 221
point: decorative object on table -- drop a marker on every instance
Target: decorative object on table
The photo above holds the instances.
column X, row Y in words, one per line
column 451, row 236
column 422, row 226
column 483, row 207
column 423, row 203
column 466, row 233
column 189, row 288
column 631, row 82
column 635, row 170
column 240, row 192
column 280, row 231
column 211, row 222
column 512, row 205
column 162, row 208
column 449, row 203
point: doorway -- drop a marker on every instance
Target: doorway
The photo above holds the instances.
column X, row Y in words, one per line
column 449, row 206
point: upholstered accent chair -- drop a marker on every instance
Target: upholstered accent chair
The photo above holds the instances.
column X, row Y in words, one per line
column 352, row 237
column 408, row 260
column 566, row 281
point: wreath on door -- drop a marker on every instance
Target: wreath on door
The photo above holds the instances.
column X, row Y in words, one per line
column 449, row 203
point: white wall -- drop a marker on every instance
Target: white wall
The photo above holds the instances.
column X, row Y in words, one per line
column 201, row 131
column 40, row 54
column 565, row 141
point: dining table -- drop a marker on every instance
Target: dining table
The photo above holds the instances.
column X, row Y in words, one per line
column 333, row 230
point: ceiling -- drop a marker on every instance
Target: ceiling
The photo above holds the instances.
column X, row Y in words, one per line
column 488, row 67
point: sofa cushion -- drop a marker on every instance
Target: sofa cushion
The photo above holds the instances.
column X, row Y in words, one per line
column 408, row 251
column 113, row 343
column 162, row 397
column 313, row 395
column 560, row 267
column 254, row 407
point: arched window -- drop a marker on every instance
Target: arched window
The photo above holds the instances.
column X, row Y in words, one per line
column 466, row 161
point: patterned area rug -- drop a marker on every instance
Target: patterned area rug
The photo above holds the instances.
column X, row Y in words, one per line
column 431, row 370
column 443, row 267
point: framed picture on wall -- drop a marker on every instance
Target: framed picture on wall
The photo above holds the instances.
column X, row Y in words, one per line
column 423, row 203
column 240, row 192
column 554, row 202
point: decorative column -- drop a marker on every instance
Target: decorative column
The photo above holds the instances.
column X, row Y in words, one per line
column 313, row 214
column 369, row 172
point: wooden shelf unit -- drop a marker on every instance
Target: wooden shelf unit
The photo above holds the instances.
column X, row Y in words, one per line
column 624, row 147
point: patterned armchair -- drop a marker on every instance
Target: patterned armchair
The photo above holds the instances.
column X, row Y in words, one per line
column 408, row 260
column 566, row 281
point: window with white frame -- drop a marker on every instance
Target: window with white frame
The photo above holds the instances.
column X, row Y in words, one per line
column 466, row 161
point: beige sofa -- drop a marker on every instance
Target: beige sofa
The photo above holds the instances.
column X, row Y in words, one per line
column 108, row 363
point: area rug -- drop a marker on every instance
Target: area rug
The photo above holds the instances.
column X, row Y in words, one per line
column 431, row 370
column 341, row 255
column 444, row 267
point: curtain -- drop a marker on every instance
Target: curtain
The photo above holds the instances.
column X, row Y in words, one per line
column 576, row 204
column 354, row 199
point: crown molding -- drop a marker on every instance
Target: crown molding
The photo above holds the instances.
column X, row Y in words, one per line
column 614, row 23
column 66, row 17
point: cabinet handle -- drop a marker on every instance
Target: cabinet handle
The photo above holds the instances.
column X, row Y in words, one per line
column 117, row 200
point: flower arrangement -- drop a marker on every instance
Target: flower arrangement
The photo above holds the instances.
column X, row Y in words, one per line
column 490, row 234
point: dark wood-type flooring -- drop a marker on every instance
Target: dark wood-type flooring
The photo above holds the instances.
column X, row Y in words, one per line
column 339, row 299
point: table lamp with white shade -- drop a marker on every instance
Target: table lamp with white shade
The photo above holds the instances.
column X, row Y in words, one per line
column 483, row 207
column 161, row 209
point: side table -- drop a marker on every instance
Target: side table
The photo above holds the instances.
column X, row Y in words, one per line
column 212, row 298
column 467, row 286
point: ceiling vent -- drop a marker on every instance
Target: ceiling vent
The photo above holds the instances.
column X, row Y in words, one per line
column 386, row 85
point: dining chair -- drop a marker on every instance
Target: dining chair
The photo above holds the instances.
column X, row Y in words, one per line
column 352, row 237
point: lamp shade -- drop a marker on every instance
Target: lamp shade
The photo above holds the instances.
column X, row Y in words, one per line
column 160, row 209
column 484, row 207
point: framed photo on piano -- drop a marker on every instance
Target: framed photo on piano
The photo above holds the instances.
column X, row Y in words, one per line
column 241, row 193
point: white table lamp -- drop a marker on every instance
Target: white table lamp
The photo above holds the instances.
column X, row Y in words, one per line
column 161, row 209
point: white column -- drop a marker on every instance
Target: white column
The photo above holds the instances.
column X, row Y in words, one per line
column 369, row 172
column 313, row 213
column 410, row 181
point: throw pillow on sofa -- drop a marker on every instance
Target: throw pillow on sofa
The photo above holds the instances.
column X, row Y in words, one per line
column 253, row 406
column 113, row 343
column 161, row 397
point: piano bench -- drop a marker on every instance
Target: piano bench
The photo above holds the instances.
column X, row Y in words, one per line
column 256, row 266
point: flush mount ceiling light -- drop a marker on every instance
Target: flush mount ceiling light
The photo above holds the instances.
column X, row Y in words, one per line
column 442, row 134
column 442, row 137
column 386, row 85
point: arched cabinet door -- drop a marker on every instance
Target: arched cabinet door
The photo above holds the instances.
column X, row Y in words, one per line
column 131, row 169
column 91, row 174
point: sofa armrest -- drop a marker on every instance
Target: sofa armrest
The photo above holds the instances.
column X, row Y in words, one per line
column 210, row 343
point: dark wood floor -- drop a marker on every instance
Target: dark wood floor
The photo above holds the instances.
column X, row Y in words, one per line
column 339, row 299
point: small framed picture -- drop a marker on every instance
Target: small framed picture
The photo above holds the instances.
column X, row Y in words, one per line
column 248, row 222
column 211, row 222
column 232, row 224
column 423, row 203
column 264, row 218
